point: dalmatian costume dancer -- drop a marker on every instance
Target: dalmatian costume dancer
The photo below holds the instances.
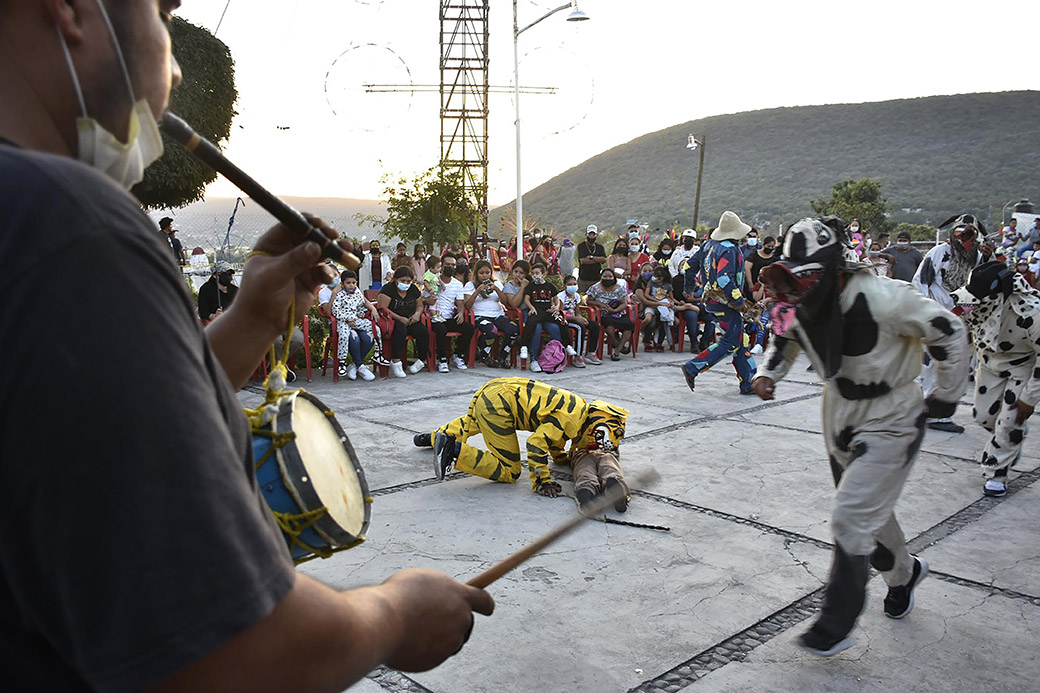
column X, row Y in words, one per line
column 863, row 334
column 944, row 270
column 1003, row 313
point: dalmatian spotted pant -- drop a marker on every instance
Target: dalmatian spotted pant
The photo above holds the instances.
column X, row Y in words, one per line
column 996, row 394
column 872, row 444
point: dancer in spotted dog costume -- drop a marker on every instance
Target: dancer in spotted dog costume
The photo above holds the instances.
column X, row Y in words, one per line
column 1003, row 313
column 944, row 270
column 863, row 334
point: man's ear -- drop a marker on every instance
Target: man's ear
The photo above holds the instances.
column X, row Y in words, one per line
column 67, row 15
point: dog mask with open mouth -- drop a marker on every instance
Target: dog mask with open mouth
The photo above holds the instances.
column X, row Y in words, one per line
column 805, row 285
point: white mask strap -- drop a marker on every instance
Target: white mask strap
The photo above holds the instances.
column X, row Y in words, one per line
column 72, row 71
column 119, row 51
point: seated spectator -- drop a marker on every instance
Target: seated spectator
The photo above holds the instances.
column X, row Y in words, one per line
column 619, row 257
column 664, row 252
column 543, row 306
column 636, row 255
column 462, row 272
column 484, row 296
column 218, row 292
column 449, row 315
column 654, row 293
column 354, row 318
column 400, row 298
column 588, row 331
column 610, row 296
column 514, row 288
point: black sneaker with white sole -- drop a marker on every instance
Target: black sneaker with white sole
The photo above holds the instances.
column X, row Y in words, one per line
column 444, row 454
column 900, row 600
column 822, row 645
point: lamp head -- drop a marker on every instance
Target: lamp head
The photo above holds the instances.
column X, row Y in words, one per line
column 576, row 15
column 691, row 142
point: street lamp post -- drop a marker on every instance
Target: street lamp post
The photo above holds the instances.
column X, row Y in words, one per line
column 693, row 143
column 576, row 15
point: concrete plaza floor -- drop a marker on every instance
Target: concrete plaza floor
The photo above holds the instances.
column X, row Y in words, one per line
column 714, row 604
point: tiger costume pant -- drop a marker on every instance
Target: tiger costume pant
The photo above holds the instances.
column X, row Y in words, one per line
column 503, row 406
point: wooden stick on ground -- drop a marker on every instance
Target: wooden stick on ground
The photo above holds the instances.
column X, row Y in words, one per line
column 597, row 506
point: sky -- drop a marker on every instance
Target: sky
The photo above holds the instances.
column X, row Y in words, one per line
column 307, row 128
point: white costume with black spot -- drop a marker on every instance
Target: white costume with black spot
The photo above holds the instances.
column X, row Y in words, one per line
column 1007, row 335
column 873, row 410
column 943, row 271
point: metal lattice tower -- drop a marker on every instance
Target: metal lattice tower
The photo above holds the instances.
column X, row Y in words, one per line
column 464, row 97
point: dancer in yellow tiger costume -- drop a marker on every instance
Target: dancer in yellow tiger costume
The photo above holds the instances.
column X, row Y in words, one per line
column 503, row 406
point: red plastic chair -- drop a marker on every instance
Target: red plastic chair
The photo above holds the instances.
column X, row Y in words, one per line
column 331, row 345
column 386, row 324
column 471, row 355
column 637, row 321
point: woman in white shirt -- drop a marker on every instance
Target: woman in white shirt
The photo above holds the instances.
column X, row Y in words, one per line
column 484, row 296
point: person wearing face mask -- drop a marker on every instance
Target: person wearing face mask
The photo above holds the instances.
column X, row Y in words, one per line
column 218, row 292
column 619, row 259
column 680, row 256
column 750, row 244
column 84, row 81
column 753, row 265
column 903, row 258
column 865, row 335
column 588, row 330
column 664, row 252
column 450, row 316
column 355, row 318
column 944, row 270
column 375, row 269
column 636, row 255
column 610, row 295
column 592, row 256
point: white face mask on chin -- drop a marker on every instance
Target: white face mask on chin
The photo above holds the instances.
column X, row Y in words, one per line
column 99, row 148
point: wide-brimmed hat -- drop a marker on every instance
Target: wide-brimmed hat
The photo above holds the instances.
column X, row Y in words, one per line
column 730, row 228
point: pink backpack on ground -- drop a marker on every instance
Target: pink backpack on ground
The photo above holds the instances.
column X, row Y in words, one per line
column 552, row 359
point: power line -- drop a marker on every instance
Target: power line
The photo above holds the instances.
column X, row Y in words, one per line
column 221, row 17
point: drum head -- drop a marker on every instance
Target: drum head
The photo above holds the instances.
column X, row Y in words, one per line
column 331, row 465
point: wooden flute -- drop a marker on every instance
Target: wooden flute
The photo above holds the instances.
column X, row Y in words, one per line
column 208, row 153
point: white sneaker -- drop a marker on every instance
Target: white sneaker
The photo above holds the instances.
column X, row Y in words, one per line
column 442, row 366
column 396, row 369
column 535, row 368
column 351, row 372
column 523, row 353
column 416, row 367
column 757, row 349
column 570, row 351
column 365, row 372
column 459, row 362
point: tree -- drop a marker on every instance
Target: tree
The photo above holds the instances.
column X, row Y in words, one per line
column 434, row 209
column 205, row 99
column 857, row 199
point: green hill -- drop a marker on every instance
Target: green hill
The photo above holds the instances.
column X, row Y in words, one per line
column 940, row 155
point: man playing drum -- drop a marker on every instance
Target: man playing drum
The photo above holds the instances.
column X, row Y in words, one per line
column 136, row 550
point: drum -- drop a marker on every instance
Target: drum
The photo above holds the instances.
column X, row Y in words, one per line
column 310, row 477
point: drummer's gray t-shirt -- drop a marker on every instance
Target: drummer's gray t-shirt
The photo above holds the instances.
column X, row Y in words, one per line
column 133, row 538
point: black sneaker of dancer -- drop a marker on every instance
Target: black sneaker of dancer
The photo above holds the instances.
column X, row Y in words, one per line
column 422, row 440
column 585, row 497
column 444, row 454
column 900, row 600
column 946, row 427
column 620, row 505
column 689, row 378
column 822, row 645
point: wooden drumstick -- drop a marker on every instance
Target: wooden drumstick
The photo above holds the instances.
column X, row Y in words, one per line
column 599, row 505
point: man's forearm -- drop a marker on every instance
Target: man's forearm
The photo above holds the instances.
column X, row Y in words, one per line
column 340, row 635
column 239, row 345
